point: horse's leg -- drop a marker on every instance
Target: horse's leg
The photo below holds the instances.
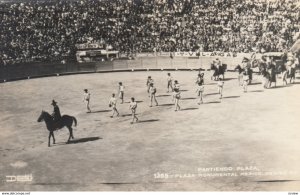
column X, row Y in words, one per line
column 49, row 139
column 70, row 133
column 52, row 134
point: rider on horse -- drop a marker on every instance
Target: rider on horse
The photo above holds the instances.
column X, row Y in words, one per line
column 219, row 69
column 56, row 121
column 56, row 112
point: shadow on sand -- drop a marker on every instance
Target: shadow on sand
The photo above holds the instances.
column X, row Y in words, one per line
column 163, row 95
column 99, row 111
column 124, row 115
column 191, row 98
column 189, row 109
column 82, row 140
column 137, row 101
column 212, row 102
column 166, row 105
column 256, row 91
column 76, row 141
column 227, row 97
column 148, row 121
column 273, row 181
column 211, row 94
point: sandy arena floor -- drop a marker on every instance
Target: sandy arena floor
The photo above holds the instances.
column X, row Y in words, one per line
column 254, row 135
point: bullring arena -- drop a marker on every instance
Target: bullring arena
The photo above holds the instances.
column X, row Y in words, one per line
column 243, row 142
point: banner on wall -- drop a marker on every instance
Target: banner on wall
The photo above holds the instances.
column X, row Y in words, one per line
column 198, row 54
column 206, row 54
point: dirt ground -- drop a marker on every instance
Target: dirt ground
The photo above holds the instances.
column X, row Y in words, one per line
column 244, row 142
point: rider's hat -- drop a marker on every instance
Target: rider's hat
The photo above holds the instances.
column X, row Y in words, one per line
column 53, row 102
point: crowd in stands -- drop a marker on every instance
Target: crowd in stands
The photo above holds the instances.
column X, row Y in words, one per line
column 48, row 30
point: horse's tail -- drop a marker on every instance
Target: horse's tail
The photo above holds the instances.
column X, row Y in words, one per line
column 75, row 120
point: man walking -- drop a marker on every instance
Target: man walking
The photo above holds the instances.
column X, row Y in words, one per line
column 149, row 81
column 200, row 91
column 113, row 104
column 132, row 107
column 169, row 84
column 176, row 97
column 86, row 99
column 152, row 91
column 220, row 87
column 121, row 92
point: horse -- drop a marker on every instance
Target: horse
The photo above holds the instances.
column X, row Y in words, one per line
column 52, row 126
column 218, row 71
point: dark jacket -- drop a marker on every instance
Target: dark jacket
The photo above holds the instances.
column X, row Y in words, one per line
column 56, row 113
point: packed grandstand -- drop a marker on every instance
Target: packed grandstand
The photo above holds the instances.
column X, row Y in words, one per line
column 50, row 30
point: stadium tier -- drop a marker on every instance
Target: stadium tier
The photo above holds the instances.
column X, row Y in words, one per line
column 49, row 30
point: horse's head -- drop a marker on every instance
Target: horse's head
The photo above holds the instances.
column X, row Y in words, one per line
column 41, row 117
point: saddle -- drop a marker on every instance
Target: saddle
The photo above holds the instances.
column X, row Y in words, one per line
column 57, row 124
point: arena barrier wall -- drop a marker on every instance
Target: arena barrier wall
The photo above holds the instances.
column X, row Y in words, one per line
column 34, row 70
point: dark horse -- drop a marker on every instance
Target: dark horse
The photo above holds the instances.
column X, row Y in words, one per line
column 53, row 126
column 218, row 71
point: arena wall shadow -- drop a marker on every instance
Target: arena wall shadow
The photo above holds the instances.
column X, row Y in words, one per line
column 36, row 70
